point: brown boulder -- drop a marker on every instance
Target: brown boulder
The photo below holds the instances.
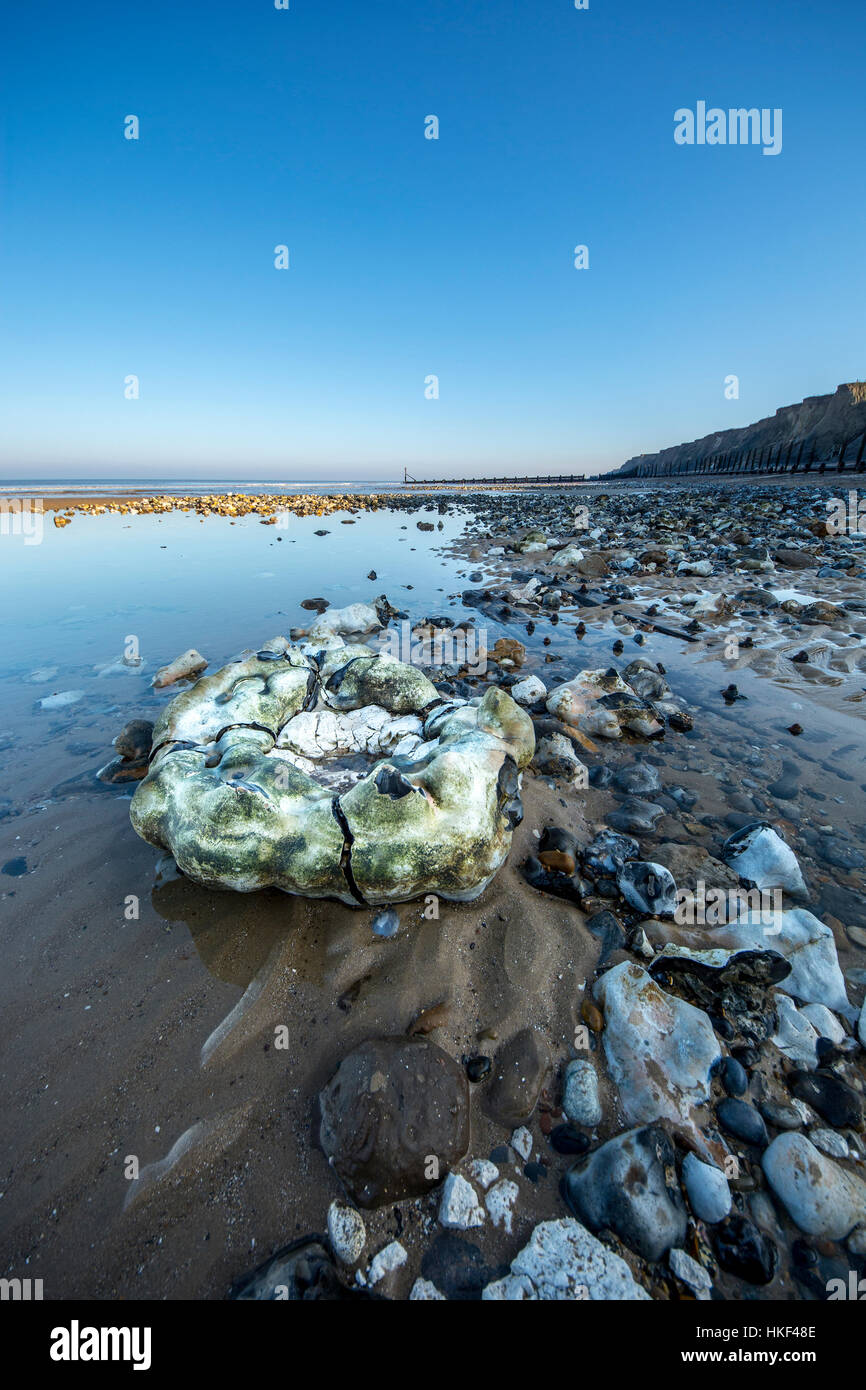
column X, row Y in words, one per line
column 395, row 1117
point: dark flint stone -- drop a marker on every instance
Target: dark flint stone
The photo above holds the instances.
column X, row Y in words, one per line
column 457, row 1267
column 608, row 930
column 743, row 1250
column 477, row 1068
column 742, row 1120
column 833, row 1098
column 567, row 1140
column 733, row 1076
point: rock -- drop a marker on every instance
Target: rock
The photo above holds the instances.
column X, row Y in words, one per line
column 829, row 1142
column 570, row 555
column 795, row 1036
column 424, row 1291
column 355, row 618
column 385, row 923
column 648, row 887
column 825, row 1023
column 794, row 559
column 600, row 702
column 483, row 1172
column 230, row 795
column 733, row 1076
column 346, row 1232
column 741, row 1120
column 691, row 864
column 477, row 1068
column 563, row 1262
column 624, row 1185
column 707, row 1188
column 701, row 568
column 566, row 1140
column 580, row 1098
column 519, row 1069
column 61, row 700
column 608, row 929
column 640, row 779
column 391, row 1104
column 500, row 1203
column 297, row 1272
column 634, row 816
column 458, row 1207
column 521, row 1143
column 508, row 653
column 780, row 1115
column 805, row 943
column 388, row 1261
column 660, row 1050
column 455, row 1265
column 593, row 567
column 835, row 1101
column 758, row 853
column 690, row 1273
column 185, row 667
column 819, row 1196
column 528, row 690
column 605, row 855
column 745, row 1251
column 856, row 1242
column 861, row 1025
column 134, row 741
column 555, row 756
column 729, row 985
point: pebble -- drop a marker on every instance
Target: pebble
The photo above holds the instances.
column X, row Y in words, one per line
column 386, row 922
column 638, row 780
column 734, row 1077
column 825, row 1023
column 483, row 1172
column 499, row 1202
column 648, row 887
column 425, row 1292
column 758, row 853
column 528, row 690
column 580, row 1097
column 459, row 1209
column 623, row 1185
column 635, row 816
column 346, row 1232
column 660, row 1050
column 690, row 1273
column 393, row 1257
column 742, row 1120
column 521, row 1142
column 819, row 1196
column 835, row 1101
column 61, row 701
column 566, row 1140
column 707, row 1188
column 477, row 1068
column 745, row 1251
column 564, row 1262
column 829, row 1142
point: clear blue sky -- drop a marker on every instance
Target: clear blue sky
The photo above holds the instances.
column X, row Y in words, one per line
column 412, row 257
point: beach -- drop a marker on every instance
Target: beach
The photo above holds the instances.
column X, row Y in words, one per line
column 149, row 1013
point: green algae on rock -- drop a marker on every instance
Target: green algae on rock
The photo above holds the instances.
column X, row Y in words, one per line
column 244, row 791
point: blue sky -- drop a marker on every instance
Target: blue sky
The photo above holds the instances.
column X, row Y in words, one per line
column 413, row 257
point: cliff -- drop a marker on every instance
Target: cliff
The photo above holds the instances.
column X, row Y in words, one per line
column 813, row 431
